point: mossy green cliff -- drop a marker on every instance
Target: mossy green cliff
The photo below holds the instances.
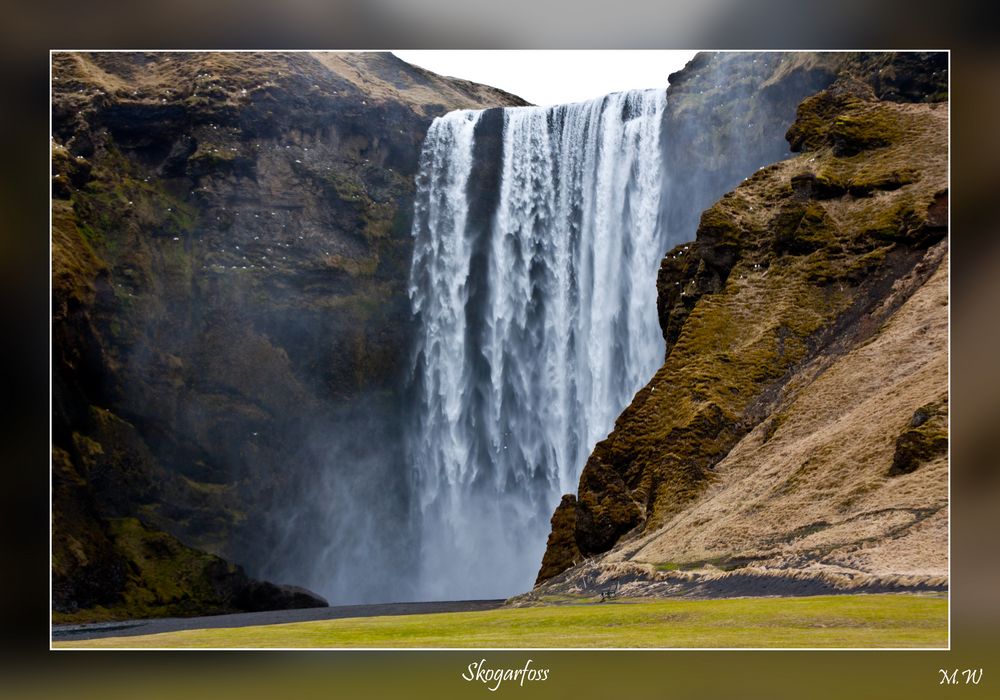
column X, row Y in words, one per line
column 802, row 263
column 230, row 249
column 727, row 114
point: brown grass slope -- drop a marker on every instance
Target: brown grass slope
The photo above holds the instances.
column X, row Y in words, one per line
column 798, row 426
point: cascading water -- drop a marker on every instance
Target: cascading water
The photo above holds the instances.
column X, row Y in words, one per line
column 534, row 295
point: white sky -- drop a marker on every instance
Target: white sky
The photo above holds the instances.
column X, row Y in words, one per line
column 555, row 77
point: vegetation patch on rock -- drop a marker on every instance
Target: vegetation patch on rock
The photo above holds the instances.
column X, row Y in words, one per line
column 925, row 439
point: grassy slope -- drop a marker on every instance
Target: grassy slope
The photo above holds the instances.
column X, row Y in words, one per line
column 877, row 621
column 814, row 482
column 761, row 314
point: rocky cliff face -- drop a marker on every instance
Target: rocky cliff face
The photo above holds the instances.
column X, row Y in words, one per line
column 727, row 114
column 230, row 250
column 782, row 447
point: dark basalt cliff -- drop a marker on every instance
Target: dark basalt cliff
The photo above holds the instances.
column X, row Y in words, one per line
column 230, row 250
column 762, row 433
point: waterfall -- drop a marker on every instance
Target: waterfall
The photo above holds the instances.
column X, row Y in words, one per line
column 533, row 290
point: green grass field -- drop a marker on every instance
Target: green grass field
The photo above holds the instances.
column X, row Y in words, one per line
column 876, row 621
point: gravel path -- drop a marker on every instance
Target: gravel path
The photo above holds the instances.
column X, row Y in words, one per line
column 127, row 628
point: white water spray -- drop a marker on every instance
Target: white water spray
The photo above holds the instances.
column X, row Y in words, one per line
column 536, row 325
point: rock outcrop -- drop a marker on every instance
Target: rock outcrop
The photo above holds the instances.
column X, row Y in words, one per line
column 727, row 114
column 805, row 375
column 230, row 251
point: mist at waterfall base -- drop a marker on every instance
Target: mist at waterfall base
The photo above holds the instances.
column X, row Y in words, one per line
column 533, row 288
column 533, row 322
column 343, row 527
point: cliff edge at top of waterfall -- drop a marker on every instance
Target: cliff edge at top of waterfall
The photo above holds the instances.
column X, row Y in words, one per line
column 795, row 438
